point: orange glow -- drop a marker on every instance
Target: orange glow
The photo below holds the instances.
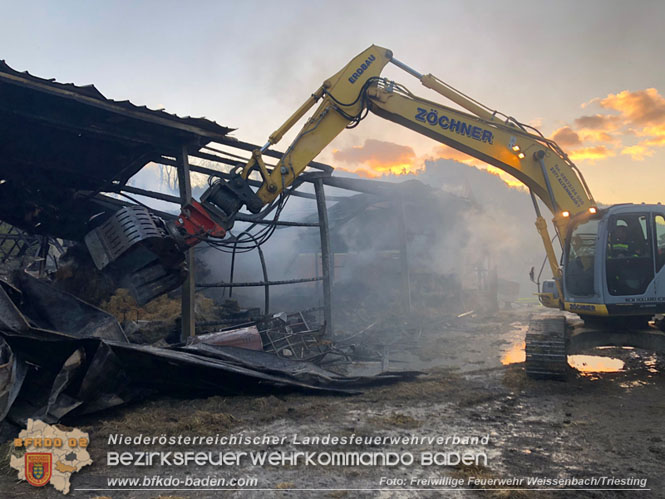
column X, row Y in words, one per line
column 379, row 170
column 445, row 152
column 656, row 135
column 395, row 168
column 361, row 172
column 376, row 158
column 641, row 114
column 591, row 153
column 508, row 179
column 566, row 137
column 642, row 107
column 597, row 136
column 595, row 364
column 627, row 114
column 515, row 354
column 638, row 152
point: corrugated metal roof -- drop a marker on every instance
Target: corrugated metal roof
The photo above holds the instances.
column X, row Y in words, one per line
column 207, row 128
column 60, row 142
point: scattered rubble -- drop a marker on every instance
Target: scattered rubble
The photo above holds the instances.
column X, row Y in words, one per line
column 62, row 357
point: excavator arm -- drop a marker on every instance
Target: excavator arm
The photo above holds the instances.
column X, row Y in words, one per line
column 343, row 101
column 496, row 139
column 534, row 160
column 531, row 158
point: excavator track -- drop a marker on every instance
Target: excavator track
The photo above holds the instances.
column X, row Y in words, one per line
column 546, row 356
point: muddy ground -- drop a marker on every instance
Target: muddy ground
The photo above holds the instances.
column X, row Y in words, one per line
column 593, row 425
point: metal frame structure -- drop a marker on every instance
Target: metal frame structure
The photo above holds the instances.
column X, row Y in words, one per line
column 320, row 177
column 16, row 243
column 65, row 145
column 222, row 158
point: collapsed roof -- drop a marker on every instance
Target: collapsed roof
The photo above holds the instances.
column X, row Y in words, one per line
column 60, row 139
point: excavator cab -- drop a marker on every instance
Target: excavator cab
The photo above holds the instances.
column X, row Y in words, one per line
column 613, row 262
column 613, row 278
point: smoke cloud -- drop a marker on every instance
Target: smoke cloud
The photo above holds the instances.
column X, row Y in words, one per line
column 460, row 221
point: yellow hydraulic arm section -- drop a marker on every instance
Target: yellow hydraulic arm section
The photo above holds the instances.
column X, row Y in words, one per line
column 343, row 99
column 493, row 138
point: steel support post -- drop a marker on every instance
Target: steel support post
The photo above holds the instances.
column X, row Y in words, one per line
column 325, row 254
column 43, row 254
column 187, row 306
column 404, row 257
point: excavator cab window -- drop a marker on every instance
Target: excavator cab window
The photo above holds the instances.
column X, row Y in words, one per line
column 579, row 269
column 629, row 262
column 659, row 226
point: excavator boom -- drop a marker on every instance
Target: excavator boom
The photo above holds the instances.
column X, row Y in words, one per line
column 344, row 100
column 357, row 88
column 613, row 264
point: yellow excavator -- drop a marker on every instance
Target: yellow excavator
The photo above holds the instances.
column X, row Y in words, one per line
column 611, row 270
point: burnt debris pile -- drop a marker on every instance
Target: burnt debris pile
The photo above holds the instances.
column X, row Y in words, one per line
column 62, row 357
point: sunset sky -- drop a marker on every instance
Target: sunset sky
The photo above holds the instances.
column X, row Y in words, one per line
column 590, row 74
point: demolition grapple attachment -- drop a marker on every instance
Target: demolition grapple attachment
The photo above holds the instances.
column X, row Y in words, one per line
column 145, row 253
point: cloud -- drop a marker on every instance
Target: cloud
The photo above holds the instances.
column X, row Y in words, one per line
column 378, row 157
column 536, row 122
column 658, row 141
column 598, row 122
column 566, row 137
column 643, row 107
column 626, row 123
column 598, row 136
column 630, row 116
column 638, row 152
column 591, row 153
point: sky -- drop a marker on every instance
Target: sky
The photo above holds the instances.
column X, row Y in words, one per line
column 588, row 73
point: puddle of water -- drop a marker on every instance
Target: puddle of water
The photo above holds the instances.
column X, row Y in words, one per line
column 595, row 364
column 651, row 364
column 633, row 384
column 586, row 364
column 515, row 354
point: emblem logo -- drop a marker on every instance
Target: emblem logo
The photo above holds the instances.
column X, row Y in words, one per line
column 37, row 468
